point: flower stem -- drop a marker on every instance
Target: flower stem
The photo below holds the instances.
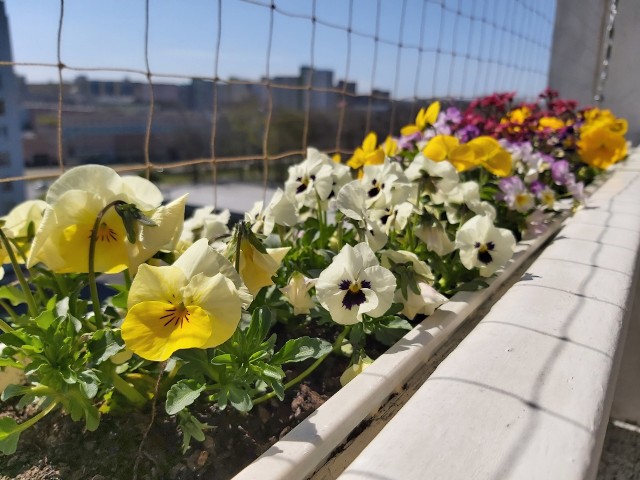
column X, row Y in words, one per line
column 36, row 418
column 4, row 326
column 10, row 311
column 133, row 395
column 93, row 286
column 336, row 345
column 31, row 303
column 239, row 230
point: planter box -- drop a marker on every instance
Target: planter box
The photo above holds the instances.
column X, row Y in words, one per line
column 521, row 338
column 308, row 446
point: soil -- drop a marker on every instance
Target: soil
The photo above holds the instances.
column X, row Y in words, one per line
column 58, row 448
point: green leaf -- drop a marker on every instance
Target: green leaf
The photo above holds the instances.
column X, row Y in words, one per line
column 182, row 394
column 104, row 344
column 45, row 319
column 9, row 435
column 10, row 362
column 191, row 427
column 390, row 329
column 265, row 370
column 239, row 398
column 301, row 349
column 89, row 383
column 21, row 339
column 119, row 300
column 259, row 328
column 276, row 385
column 13, row 294
column 62, row 307
column 11, row 391
column 224, row 359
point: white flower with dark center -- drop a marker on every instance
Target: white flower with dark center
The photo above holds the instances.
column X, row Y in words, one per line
column 484, row 246
column 355, row 284
column 352, row 202
column 393, row 217
column 385, row 184
column 310, row 181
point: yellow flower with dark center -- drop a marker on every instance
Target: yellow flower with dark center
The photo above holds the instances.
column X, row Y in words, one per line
column 74, row 202
column 425, row 118
column 194, row 303
column 600, row 147
column 367, row 154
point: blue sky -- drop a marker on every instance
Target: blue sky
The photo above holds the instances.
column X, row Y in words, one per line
column 183, row 33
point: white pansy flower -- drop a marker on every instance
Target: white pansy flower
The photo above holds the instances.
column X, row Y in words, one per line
column 280, row 211
column 355, row 284
column 309, row 181
column 439, row 178
column 393, row 217
column 424, row 303
column 385, row 184
column 203, row 223
column 297, row 293
column 421, row 298
column 352, row 201
column 433, row 234
column 467, row 194
column 19, row 225
column 389, row 258
column 215, row 225
column 484, row 246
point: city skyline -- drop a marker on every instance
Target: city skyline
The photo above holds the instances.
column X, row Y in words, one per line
column 511, row 45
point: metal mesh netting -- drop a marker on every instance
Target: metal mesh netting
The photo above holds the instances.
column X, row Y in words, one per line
column 401, row 53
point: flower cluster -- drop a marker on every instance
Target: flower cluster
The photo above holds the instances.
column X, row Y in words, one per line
column 352, row 252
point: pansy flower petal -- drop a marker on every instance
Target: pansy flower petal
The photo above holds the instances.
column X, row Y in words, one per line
column 154, row 330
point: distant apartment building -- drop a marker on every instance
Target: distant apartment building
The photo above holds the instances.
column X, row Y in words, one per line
column 312, row 88
column 11, row 159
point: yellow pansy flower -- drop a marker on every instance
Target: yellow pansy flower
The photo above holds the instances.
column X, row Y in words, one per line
column 74, row 202
column 552, row 123
column 425, row 118
column 440, row 147
column 367, row 154
column 17, row 224
column 389, row 147
column 600, row 147
column 490, row 154
column 448, row 147
column 517, row 115
column 256, row 268
column 194, row 303
column 485, row 151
